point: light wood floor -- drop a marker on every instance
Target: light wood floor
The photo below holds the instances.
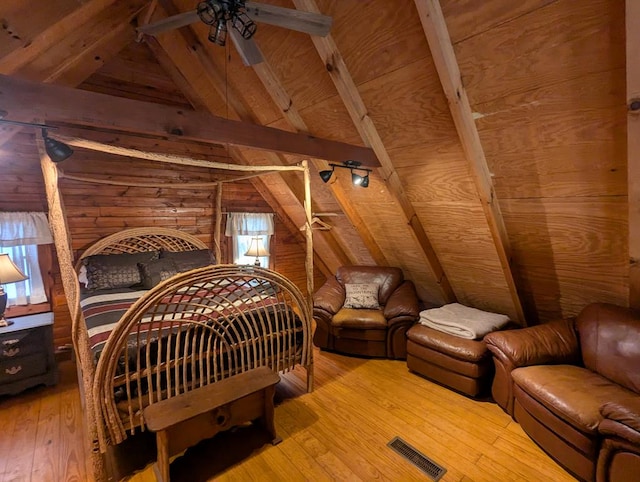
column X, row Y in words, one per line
column 339, row 432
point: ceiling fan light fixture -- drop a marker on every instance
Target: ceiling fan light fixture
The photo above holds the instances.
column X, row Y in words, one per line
column 210, row 12
column 244, row 25
column 218, row 33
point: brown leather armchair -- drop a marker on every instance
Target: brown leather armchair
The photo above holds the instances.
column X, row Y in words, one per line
column 367, row 332
column 574, row 388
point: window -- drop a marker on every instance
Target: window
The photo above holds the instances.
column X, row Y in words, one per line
column 243, row 228
column 20, row 235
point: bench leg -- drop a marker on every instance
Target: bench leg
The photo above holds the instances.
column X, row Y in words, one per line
column 162, row 442
column 267, row 418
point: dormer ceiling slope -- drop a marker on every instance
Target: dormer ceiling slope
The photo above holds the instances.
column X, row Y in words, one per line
column 497, row 129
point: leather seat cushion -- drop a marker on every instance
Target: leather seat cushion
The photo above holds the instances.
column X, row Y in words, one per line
column 572, row 393
column 463, row 349
column 359, row 319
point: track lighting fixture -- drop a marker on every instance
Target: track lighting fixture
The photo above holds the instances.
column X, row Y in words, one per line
column 353, row 166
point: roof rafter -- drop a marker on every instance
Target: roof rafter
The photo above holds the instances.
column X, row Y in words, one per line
column 192, row 64
column 446, row 64
column 74, row 52
column 348, row 91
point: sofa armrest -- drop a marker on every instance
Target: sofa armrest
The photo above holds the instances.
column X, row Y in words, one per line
column 622, row 419
column 402, row 304
column 554, row 342
column 329, row 298
column 551, row 343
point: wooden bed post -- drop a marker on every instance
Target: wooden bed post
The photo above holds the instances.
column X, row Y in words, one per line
column 217, row 236
column 62, row 240
column 308, row 261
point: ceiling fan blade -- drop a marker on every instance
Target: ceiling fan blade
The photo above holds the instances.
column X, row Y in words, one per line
column 248, row 49
column 306, row 22
column 169, row 23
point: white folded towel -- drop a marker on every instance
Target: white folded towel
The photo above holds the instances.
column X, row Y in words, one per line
column 462, row 321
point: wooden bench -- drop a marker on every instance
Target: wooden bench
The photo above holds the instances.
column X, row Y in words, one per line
column 184, row 420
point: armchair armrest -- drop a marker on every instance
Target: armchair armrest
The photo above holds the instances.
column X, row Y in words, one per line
column 403, row 304
column 552, row 343
column 329, row 298
column 622, row 419
column 619, row 456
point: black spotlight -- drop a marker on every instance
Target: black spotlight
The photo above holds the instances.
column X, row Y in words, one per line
column 365, row 181
column 56, row 150
column 356, row 179
column 326, row 175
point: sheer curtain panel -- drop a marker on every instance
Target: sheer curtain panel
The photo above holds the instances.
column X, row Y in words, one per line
column 20, row 235
column 244, row 226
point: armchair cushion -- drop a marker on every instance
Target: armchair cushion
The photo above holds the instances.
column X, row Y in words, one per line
column 362, row 319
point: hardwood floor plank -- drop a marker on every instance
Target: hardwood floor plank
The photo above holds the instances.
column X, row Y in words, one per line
column 338, row 432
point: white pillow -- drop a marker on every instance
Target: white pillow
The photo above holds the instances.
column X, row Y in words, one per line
column 82, row 276
column 361, row 296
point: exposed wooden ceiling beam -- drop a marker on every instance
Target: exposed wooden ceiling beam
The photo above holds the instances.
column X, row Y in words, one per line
column 446, row 64
column 25, row 100
column 348, row 91
column 633, row 146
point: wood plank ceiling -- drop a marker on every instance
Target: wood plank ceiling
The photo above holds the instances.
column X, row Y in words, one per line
column 499, row 129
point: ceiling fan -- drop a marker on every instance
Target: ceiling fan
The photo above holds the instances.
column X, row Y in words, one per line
column 238, row 18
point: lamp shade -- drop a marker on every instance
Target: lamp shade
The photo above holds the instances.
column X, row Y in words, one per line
column 256, row 248
column 9, row 272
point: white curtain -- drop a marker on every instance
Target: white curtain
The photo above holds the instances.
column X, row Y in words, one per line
column 242, row 227
column 20, row 233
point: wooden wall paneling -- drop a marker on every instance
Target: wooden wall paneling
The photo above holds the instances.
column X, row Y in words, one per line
column 521, row 54
column 633, row 147
column 445, row 61
column 339, row 73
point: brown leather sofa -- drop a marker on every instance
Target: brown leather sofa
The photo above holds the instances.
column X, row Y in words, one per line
column 574, row 387
column 367, row 332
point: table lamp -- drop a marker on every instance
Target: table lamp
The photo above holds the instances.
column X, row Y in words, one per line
column 256, row 248
column 9, row 273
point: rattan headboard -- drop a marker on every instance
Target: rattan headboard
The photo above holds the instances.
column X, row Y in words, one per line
column 137, row 240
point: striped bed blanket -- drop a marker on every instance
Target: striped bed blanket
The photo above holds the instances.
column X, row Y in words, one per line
column 104, row 309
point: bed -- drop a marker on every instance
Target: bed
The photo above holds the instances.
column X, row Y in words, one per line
column 139, row 345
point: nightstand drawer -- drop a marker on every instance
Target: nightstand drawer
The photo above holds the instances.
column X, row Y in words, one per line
column 23, row 367
column 20, row 343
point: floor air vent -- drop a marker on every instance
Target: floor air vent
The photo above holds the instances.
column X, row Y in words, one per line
column 421, row 461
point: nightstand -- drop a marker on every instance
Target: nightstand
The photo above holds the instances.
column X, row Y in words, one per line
column 26, row 353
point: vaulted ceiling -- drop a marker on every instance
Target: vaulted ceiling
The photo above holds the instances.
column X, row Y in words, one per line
column 497, row 129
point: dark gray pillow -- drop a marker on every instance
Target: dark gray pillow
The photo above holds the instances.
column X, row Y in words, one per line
column 109, row 271
column 188, row 260
column 156, row 271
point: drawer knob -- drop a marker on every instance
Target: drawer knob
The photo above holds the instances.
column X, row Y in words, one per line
column 13, row 370
column 10, row 342
column 11, row 351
